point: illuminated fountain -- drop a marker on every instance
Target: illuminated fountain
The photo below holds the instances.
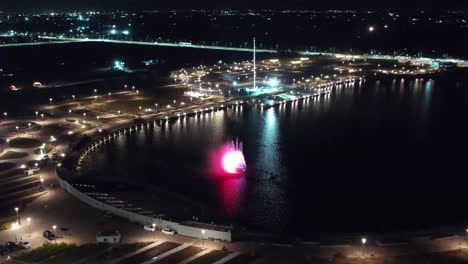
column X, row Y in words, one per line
column 229, row 160
column 233, row 161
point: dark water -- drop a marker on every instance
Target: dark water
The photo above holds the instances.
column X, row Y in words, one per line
column 386, row 155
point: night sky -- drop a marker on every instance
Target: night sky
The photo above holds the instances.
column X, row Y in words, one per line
column 217, row 4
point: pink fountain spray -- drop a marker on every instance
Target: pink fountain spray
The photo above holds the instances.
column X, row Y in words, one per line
column 233, row 161
column 229, row 161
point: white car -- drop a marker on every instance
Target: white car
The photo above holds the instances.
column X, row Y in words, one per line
column 150, row 228
column 168, row 231
column 24, row 244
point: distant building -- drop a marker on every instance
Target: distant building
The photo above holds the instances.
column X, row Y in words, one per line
column 109, row 237
column 443, row 65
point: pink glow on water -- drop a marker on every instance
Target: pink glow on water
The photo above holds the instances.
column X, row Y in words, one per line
column 231, row 195
column 229, row 166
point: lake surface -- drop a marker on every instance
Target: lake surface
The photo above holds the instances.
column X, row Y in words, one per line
column 381, row 156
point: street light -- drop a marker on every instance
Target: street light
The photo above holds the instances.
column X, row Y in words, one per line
column 5, row 114
column 203, row 237
column 466, row 242
column 363, row 241
column 29, row 225
column 17, row 215
column 55, row 227
column 154, row 230
column 37, row 115
column 15, row 227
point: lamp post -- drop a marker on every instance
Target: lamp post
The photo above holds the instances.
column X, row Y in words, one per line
column 203, row 237
column 466, row 239
column 15, row 227
column 29, row 225
column 37, row 115
column 154, row 231
column 363, row 241
column 55, row 227
column 17, row 215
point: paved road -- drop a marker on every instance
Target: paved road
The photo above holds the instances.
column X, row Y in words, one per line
column 57, row 40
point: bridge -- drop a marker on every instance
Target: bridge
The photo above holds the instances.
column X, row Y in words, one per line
column 48, row 40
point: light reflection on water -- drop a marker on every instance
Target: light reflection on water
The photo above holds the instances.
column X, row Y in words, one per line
column 309, row 163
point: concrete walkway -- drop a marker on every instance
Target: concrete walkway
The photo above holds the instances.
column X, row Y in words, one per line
column 185, row 261
column 170, row 252
column 227, row 258
column 138, row 251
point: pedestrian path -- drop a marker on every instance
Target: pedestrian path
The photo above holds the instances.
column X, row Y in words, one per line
column 185, row 261
column 168, row 253
column 136, row 252
column 227, row 258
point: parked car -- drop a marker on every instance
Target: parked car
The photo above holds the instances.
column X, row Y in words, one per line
column 151, row 228
column 24, row 244
column 168, row 231
column 3, row 250
column 11, row 246
column 45, row 157
column 48, row 235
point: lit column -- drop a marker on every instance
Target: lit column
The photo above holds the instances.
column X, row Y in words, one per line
column 29, row 225
column 254, row 65
column 17, row 215
column 15, row 227
column 203, row 237
column 466, row 239
column 55, row 227
column 363, row 241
